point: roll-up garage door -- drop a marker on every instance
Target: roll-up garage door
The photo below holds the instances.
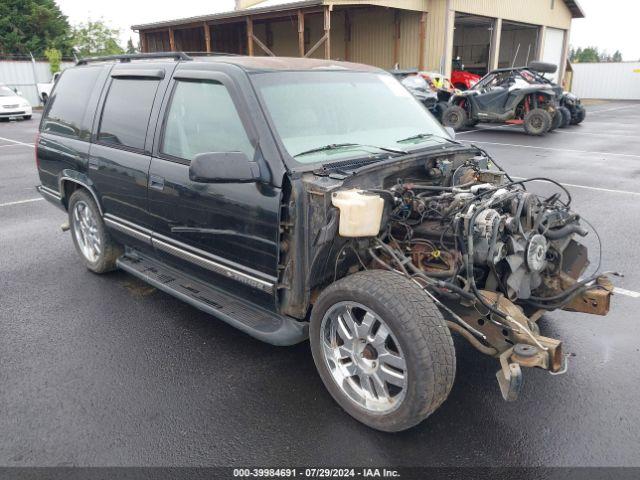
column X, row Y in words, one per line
column 552, row 52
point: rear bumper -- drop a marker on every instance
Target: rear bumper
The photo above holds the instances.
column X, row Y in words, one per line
column 51, row 196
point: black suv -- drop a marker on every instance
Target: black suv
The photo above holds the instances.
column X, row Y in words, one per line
column 301, row 198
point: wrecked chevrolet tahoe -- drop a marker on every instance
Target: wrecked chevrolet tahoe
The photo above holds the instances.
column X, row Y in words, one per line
column 301, row 198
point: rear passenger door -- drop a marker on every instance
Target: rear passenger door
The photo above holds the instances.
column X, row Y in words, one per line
column 232, row 224
column 121, row 152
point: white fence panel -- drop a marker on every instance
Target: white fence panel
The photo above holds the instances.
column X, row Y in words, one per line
column 614, row 81
column 24, row 74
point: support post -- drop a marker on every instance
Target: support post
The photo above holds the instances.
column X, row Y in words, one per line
column 494, row 52
column 172, row 40
column 450, row 20
column 327, row 31
column 207, row 37
column 542, row 31
column 144, row 45
column 347, row 35
column 300, row 33
column 396, row 38
column 563, row 59
column 421, row 40
column 250, row 36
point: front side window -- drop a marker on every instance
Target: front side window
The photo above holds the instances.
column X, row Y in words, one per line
column 202, row 118
column 6, row 92
column 126, row 112
column 331, row 115
column 66, row 112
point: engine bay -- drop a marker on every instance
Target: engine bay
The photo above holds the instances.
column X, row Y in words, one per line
column 490, row 253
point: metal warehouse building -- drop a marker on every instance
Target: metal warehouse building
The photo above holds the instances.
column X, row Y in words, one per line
column 424, row 34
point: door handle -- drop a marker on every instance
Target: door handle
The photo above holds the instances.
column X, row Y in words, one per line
column 156, row 182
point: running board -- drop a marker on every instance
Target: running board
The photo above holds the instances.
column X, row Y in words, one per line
column 257, row 322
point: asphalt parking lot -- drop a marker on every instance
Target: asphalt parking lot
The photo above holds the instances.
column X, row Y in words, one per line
column 104, row 370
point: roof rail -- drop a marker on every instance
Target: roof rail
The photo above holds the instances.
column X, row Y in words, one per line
column 127, row 57
column 213, row 54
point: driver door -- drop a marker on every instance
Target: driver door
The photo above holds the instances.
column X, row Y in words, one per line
column 233, row 226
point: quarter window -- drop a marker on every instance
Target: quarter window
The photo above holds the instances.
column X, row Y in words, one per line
column 67, row 108
column 126, row 112
column 202, row 118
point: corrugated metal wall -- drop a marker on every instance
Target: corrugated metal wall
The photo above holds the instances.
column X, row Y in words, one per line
column 615, row 81
column 418, row 5
column 539, row 12
column 20, row 74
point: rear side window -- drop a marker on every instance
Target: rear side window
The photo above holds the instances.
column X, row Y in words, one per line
column 67, row 108
column 126, row 112
column 203, row 118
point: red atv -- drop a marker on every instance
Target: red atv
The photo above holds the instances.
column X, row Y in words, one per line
column 463, row 80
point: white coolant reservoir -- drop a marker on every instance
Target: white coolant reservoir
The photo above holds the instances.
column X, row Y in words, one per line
column 360, row 212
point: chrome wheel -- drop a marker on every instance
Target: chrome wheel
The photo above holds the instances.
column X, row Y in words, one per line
column 85, row 229
column 363, row 357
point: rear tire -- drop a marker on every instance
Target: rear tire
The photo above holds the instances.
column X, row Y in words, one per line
column 402, row 327
column 93, row 242
column 579, row 117
column 566, row 117
column 556, row 120
column 455, row 117
column 439, row 110
column 537, row 122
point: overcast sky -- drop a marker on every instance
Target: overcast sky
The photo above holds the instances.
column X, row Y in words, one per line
column 608, row 25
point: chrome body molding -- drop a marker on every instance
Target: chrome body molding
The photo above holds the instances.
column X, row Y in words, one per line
column 214, row 266
column 190, row 254
column 132, row 232
column 48, row 191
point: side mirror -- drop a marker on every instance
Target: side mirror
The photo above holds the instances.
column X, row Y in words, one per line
column 451, row 132
column 223, row 167
column 18, row 92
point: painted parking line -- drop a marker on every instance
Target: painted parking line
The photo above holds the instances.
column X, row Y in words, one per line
column 628, row 293
column 16, row 141
column 593, row 112
column 20, row 202
column 553, row 149
column 586, row 187
column 16, row 145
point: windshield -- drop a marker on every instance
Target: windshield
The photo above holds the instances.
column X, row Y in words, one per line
column 332, row 115
column 7, row 92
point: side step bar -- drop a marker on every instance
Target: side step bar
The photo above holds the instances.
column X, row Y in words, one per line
column 257, row 322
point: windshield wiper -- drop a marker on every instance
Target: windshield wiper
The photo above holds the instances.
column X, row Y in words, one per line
column 421, row 136
column 337, row 146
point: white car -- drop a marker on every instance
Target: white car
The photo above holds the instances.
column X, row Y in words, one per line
column 13, row 105
column 44, row 89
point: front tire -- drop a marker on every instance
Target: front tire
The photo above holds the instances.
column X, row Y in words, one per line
column 454, row 117
column 537, row 122
column 556, row 120
column 26, row 117
column 382, row 349
column 90, row 236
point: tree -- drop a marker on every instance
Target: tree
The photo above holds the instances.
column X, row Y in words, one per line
column 54, row 56
column 33, row 26
column 130, row 47
column 96, row 38
column 617, row 56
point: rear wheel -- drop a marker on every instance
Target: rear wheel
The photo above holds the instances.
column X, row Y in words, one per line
column 537, row 122
column 454, row 117
column 90, row 236
column 382, row 349
column 556, row 120
column 579, row 116
column 566, row 116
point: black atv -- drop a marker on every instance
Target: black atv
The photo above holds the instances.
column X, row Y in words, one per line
column 570, row 106
column 502, row 97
